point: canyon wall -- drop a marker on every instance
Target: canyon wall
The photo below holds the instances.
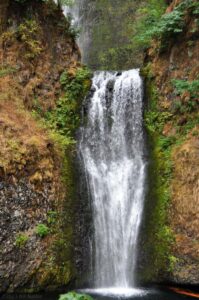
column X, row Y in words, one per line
column 37, row 192
column 172, row 94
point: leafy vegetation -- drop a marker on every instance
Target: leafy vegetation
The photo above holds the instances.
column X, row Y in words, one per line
column 4, row 71
column 21, row 240
column 152, row 24
column 28, row 33
column 182, row 86
column 52, row 218
column 75, row 296
column 42, row 230
column 148, row 16
column 65, row 117
column 188, row 90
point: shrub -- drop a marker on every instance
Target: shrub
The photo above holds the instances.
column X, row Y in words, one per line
column 42, row 230
column 162, row 27
column 21, row 240
column 182, row 86
column 28, row 33
column 148, row 16
column 65, row 118
column 155, row 120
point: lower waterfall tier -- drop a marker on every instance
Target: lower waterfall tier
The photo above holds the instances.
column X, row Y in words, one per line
column 112, row 149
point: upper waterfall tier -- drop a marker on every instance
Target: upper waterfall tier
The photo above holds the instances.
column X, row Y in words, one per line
column 112, row 149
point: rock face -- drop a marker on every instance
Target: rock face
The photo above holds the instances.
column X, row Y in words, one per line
column 3, row 13
column 36, row 177
column 179, row 113
column 185, row 211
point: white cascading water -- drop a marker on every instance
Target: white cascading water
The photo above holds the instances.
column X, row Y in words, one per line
column 80, row 11
column 112, row 149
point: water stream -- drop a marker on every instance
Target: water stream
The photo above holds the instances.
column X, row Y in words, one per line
column 81, row 13
column 112, row 149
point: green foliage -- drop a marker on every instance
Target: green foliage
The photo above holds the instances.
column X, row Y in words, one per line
column 182, row 86
column 75, row 296
column 173, row 261
column 148, row 17
column 4, row 71
column 42, row 230
column 192, row 90
column 193, row 121
column 78, row 84
column 28, row 33
column 169, row 24
column 52, row 217
column 182, row 108
column 65, row 118
column 155, row 120
column 21, row 240
column 162, row 27
column 59, row 138
column 160, row 171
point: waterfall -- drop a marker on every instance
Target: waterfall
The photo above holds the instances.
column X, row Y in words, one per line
column 112, row 150
column 81, row 13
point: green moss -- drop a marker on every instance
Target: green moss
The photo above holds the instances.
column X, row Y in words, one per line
column 158, row 235
column 52, row 218
column 191, row 90
column 7, row 70
column 42, row 230
column 153, row 24
column 65, row 118
column 182, row 86
column 75, row 296
column 160, row 170
column 59, row 269
column 21, row 240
